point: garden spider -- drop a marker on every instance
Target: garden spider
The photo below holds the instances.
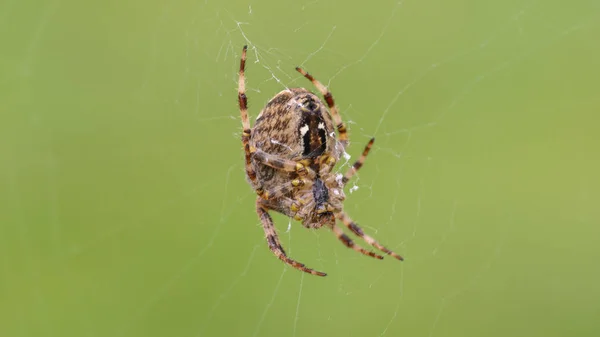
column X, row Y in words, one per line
column 290, row 154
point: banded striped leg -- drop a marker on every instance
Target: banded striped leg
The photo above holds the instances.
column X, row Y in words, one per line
column 277, row 162
column 287, row 206
column 359, row 232
column 350, row 244
column 343, row 134
column 359, row 163
column 284, row 189
column 243, row 103
column 273, row 241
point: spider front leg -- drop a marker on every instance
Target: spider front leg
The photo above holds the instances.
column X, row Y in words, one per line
column 359, row 232
column 273, row 240
column 359, row 163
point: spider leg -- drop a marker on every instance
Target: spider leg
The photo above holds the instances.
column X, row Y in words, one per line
column 286, row 206
column 326, row 163
column 359, row 232
column 279, row 163
column 284, row 189
column 273, row 240
column 243, row 103
column 331, row 104
column 350, row 244
column 359, row 163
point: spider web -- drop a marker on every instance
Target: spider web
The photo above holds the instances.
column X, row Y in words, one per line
column 126, row 212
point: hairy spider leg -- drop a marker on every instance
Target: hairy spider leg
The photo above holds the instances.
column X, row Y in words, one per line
column 359, row 232
column 282, row 190
column 350, row 244
column 358, row 163
column 243, row 103
column 273, row 240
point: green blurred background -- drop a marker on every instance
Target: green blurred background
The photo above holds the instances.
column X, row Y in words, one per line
column 125, row 212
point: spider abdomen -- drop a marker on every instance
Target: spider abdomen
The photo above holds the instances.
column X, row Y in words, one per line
column 293, row 125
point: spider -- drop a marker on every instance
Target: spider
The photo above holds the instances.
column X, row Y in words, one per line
column 290, row 154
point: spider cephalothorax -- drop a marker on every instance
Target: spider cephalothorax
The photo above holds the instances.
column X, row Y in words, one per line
column 290, row 154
